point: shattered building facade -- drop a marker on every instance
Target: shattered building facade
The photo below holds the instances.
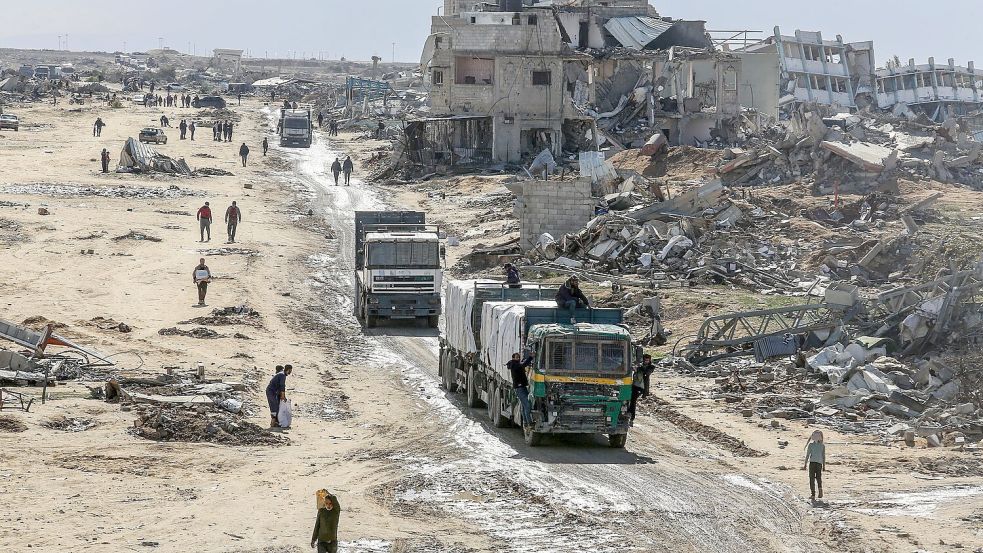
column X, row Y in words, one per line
column 558, row 78
column 932, row 89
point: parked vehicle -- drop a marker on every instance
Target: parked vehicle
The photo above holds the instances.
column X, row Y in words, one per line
column 139, row 99
column 216, row 102
column 174, row 87
column 580, row 377
column 154, row 135
column 9, row 121
column 296, row 128
column 398, row 268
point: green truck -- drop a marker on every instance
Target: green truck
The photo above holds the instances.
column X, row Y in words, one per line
column 581, row 374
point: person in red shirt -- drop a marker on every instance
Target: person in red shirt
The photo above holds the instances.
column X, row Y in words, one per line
column 232, row 217
column 205, row 222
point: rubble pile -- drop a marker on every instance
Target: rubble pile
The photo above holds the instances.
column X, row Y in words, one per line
column 855, row 153
column 175, row 424
column 853, row 389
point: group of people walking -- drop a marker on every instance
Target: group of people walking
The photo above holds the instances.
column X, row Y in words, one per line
column 338, row 168
column 233, row 216
column 185, row 128
column 222, row 131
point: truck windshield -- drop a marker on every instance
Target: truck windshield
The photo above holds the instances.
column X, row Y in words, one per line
column 295, row 123
column 587, row 357
column 420, row 255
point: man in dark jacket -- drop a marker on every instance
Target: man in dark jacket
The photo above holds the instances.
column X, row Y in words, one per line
column 104, row 157
column 276, row 391
column 325, row 536
column 348, row 167
column 520, row 383
column 570, row 297
column 336, row 170
column 243, row 153
column 512, row 276
column 233, row 215
column 97, row 127
column 266, row 146
column 640, row 384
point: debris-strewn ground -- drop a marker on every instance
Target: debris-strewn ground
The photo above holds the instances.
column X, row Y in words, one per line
column 178, row 424
column 11, row 424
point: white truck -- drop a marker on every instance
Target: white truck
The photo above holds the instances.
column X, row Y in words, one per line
column 398, row 267
column 296, row 128
column 581, row 375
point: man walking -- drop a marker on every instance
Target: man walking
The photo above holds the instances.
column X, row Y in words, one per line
column 243, row 153
column 230, row 131
column 205, row 221
column 232, row 217
column 336, row 170
column 191, row 128
column 266, row 146
column 640, row 384
column 325, row 537
column 104, row 157
column 201, row 275
column 183, row 126
column 320, row 119
column 520, row 383
column 216, row 129
column 97, row 127
column 348, row 167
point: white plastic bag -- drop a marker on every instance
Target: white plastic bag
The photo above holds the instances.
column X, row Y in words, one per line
column 284, row 415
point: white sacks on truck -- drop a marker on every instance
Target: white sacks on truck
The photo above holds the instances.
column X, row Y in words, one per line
column 458, row 314
column 501, row 332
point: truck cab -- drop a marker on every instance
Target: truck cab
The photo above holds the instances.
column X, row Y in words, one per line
column 582, row 374
column 296, row 128
column 398, row 266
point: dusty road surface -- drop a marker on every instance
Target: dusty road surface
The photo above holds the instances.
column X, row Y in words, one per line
column 414, row 469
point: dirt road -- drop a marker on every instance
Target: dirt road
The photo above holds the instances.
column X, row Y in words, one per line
column 574, row 494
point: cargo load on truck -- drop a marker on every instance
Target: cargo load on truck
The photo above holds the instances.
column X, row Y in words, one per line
column 580, row 375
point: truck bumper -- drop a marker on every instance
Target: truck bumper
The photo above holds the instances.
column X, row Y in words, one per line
column 403, row 307
column 295, row 142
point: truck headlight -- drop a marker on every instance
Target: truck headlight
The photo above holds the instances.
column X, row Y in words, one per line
column 373, row 300
column 434, row 301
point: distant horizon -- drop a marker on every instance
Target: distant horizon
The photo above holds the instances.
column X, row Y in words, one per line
column 244, row 57
column 396, row 30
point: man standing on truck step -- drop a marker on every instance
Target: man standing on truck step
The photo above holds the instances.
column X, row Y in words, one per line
column 520, row 383
column 205, row 221
column 570, row 297
column 243, row 153
column 201, row 275
column 232, row 217
column 336, row 170
column 640, row 384
column 348, row 167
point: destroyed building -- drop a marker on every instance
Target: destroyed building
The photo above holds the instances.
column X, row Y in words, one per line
column 513, row 79
column 930, row 89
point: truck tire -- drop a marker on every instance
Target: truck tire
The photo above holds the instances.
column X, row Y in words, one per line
column 472, row 390
column 497, row 417
column 617, row 441
column 450, row 373
column 533, row 438
column 433, row 321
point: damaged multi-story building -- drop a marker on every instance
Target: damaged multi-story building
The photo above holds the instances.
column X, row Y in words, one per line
column 511, row 79
column 844, row 75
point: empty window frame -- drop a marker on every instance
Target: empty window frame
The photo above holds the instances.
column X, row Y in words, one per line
column 541, row 78
column 438, row 78
column 471, row 70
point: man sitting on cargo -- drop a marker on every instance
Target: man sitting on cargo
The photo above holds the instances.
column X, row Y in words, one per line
column 512, row 276
column 521, row 384
column 570, row 297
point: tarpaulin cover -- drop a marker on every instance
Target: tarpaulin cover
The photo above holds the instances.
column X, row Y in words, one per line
column 501, row 332
column 458, row 314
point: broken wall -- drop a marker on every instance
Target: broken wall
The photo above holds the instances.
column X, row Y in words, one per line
column 759, row 85
column 554, row 207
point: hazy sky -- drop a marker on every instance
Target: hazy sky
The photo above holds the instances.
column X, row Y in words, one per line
column 359, row 29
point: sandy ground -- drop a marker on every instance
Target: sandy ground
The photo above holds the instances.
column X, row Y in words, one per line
column 415, row 470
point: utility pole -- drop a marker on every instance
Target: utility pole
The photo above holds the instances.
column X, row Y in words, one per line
column 66, row 41
column 124, row 46
column 394, row 54
column 160, row 43
column 59, row 42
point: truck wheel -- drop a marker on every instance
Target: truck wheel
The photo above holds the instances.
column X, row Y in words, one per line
column 370, row 320
column 433, row 321
column 448, row 372
column 533, row 438
column 617, row 441
column 497, row 418
column 472, row 391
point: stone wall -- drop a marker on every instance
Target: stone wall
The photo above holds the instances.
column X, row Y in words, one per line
column 557, row 207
